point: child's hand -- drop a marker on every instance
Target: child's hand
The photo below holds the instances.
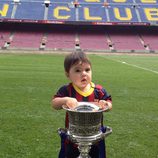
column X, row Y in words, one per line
column 71, row 103
column 103, row 104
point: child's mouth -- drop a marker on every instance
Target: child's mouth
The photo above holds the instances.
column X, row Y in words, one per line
column 84, row 80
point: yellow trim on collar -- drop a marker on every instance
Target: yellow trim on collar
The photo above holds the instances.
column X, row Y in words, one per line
column 85, row 94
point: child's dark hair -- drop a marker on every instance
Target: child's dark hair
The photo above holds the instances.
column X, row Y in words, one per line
column 75, row 58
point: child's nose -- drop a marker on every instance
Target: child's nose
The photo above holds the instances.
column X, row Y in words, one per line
column 84, row 73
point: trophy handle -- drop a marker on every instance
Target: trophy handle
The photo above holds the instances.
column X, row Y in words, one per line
column 61, row 130
column 107, row 132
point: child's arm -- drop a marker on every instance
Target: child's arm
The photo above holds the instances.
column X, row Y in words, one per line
column 58, row 102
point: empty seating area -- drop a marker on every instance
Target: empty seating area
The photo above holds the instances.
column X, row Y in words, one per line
column 150, row 38
column 87, row 38
column 103, row 26
column 26, row 40
column 91, row 39
column 151, row 41
column 83, row 11
column 126, row 39
column 63, row 40
column 4, row 37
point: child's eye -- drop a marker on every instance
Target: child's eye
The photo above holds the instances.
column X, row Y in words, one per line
column 88, row 69
column 77, row 70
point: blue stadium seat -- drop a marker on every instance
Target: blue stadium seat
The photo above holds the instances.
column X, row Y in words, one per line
column 61, row 12
column 61, row 1
column 91, row 1
column 41, row 1
column 31, row 11
column 147, row 2
column 149, row 13
column 6, row 9
column 120, row 2
column 92, row 12
column 122, row 13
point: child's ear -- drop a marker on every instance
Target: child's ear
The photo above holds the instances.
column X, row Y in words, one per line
column 67, row 74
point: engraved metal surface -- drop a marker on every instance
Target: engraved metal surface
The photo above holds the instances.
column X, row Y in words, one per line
column 85, row 120
column 84, row 126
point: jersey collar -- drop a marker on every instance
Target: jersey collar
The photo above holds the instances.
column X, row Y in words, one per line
column 85, row 94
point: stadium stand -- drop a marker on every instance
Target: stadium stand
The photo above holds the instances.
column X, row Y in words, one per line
column 87, row 11
column 57, row 39
column 150, row 38
column 91, row 25
column 126, row 39
column 26, row 40
column 92, row 39
column 4, row 36
column 151, row 41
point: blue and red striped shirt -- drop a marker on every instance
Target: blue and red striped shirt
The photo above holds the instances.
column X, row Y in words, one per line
column 96, row 93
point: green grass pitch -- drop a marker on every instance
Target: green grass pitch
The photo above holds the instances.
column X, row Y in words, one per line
column 28, row 124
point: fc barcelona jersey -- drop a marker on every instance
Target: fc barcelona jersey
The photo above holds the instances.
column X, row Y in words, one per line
column 95, row 93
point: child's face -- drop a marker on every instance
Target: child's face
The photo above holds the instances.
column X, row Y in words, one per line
column 80, row 74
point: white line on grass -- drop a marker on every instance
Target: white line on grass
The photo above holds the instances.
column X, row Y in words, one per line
column 143, row 68
column 133, row 65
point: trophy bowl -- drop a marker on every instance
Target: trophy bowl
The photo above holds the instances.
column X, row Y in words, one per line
column 85, row 123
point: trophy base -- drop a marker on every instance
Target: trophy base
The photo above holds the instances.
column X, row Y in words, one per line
column 85, row 143
column 84, row 150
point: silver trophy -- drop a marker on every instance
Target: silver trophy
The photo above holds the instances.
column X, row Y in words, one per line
column 84, row 126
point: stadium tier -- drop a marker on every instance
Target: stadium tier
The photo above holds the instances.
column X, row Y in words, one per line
column 26, row 40
column 86, row 37
column 90, row 25
column 93, row 39
column 57, row 39
column 126, row 39
column 97, row 12
column 4, row 36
